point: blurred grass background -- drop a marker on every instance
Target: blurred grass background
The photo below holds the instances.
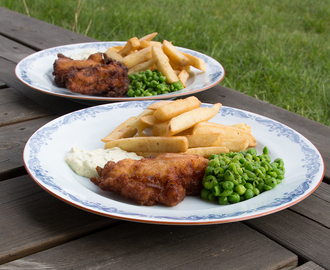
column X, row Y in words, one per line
column 276, row 51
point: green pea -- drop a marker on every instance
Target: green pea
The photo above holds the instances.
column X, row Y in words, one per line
column 154, row 83
column 226, row 192
column 223, row 200
column 216, row 190
column 148, row 73
column 248, row 166
column 267, row 187
column 265, row 150
column 130, row 93
column 211, row 197
column 271, row 182
column 234, row 197
column 240, row 189
column 256, row 191
column 205, row 193
column 209, row 181
column 248, row 194
column 252, row 151
column 229, row 176
column 228, row 185
column 209, row 170
column 178, row 85
column 248, row 186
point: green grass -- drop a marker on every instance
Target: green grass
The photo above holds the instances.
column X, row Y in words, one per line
column 277, row 51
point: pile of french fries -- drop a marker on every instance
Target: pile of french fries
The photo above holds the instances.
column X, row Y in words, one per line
column 180, row 126
column 140, row 54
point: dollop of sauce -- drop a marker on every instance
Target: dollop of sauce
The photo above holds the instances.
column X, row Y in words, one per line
column 84, row 55
column 84, row 162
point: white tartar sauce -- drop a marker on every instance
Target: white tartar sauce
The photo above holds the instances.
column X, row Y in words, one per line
column 84, row 55
column 84, row 162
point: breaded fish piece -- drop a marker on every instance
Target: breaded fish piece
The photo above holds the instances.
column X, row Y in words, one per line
column 166, row 179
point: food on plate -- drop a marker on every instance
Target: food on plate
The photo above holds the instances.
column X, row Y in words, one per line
column 183, row 118
column 166, row 179
column 150, row 83
column 106, row 73
column 98, row 75
column 175, row 144
column 177, row 107
column 226, row 131
column 84, row 162
column 234, row 177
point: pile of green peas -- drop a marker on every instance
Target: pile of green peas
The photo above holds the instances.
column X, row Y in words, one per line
column 150, row 83
column 234, row 177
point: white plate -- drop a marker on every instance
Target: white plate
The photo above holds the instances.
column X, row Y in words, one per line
column 36, row 72
column 45, row 151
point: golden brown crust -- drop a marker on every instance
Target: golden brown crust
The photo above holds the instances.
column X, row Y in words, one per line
column 166, row 179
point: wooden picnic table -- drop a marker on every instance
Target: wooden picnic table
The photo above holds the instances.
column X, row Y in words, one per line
column 39, row 231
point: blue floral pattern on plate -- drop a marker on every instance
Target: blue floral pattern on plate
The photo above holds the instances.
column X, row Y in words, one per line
column 311, row 163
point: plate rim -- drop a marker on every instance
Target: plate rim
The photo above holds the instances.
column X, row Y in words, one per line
column 173, row 221
column 113, row 99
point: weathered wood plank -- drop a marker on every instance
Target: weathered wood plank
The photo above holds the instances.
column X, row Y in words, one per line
column 316, row 206
column 12, row 142
column 2, row 85
column 13, row 51
column 57, row 105
column 309, row 266
column 32, row 220
column 143, row 246
column 302, row 235
column 16, row 108
column 37, row 34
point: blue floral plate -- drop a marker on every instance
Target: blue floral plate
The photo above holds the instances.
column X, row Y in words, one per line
column 36, row 70
column 45, row 151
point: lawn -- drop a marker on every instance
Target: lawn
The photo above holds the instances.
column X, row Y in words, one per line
column 277, row 51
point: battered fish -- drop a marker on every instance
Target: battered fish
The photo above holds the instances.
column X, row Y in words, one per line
column 98, row 75
column 166, row 179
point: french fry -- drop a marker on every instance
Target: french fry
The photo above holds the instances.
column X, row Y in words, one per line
column 173, row 144
column 113, row 55
column 148, row 37
column 154, row 106
column 204, row 140
column 150, row 64
column 196, row 62
column 176, row 108
column 121, row 131
column 162, row 64
column 131, row 45
column 174, row 54
column 177, row 67
column 191, row 118
column 242, row 126
column 207, row 151
column 160, row 129
column 226, row 131
column 138, row 124
column 116, row 48
column 150, row 120
column 183, row 77
column 137, row 57
column 235, row 145
column 146, row 43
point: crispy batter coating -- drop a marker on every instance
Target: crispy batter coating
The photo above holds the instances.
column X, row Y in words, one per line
column 98, row 75
column 166, row 179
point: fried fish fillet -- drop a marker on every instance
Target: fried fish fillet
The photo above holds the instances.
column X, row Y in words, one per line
column 98, row 75
column 166, row 179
